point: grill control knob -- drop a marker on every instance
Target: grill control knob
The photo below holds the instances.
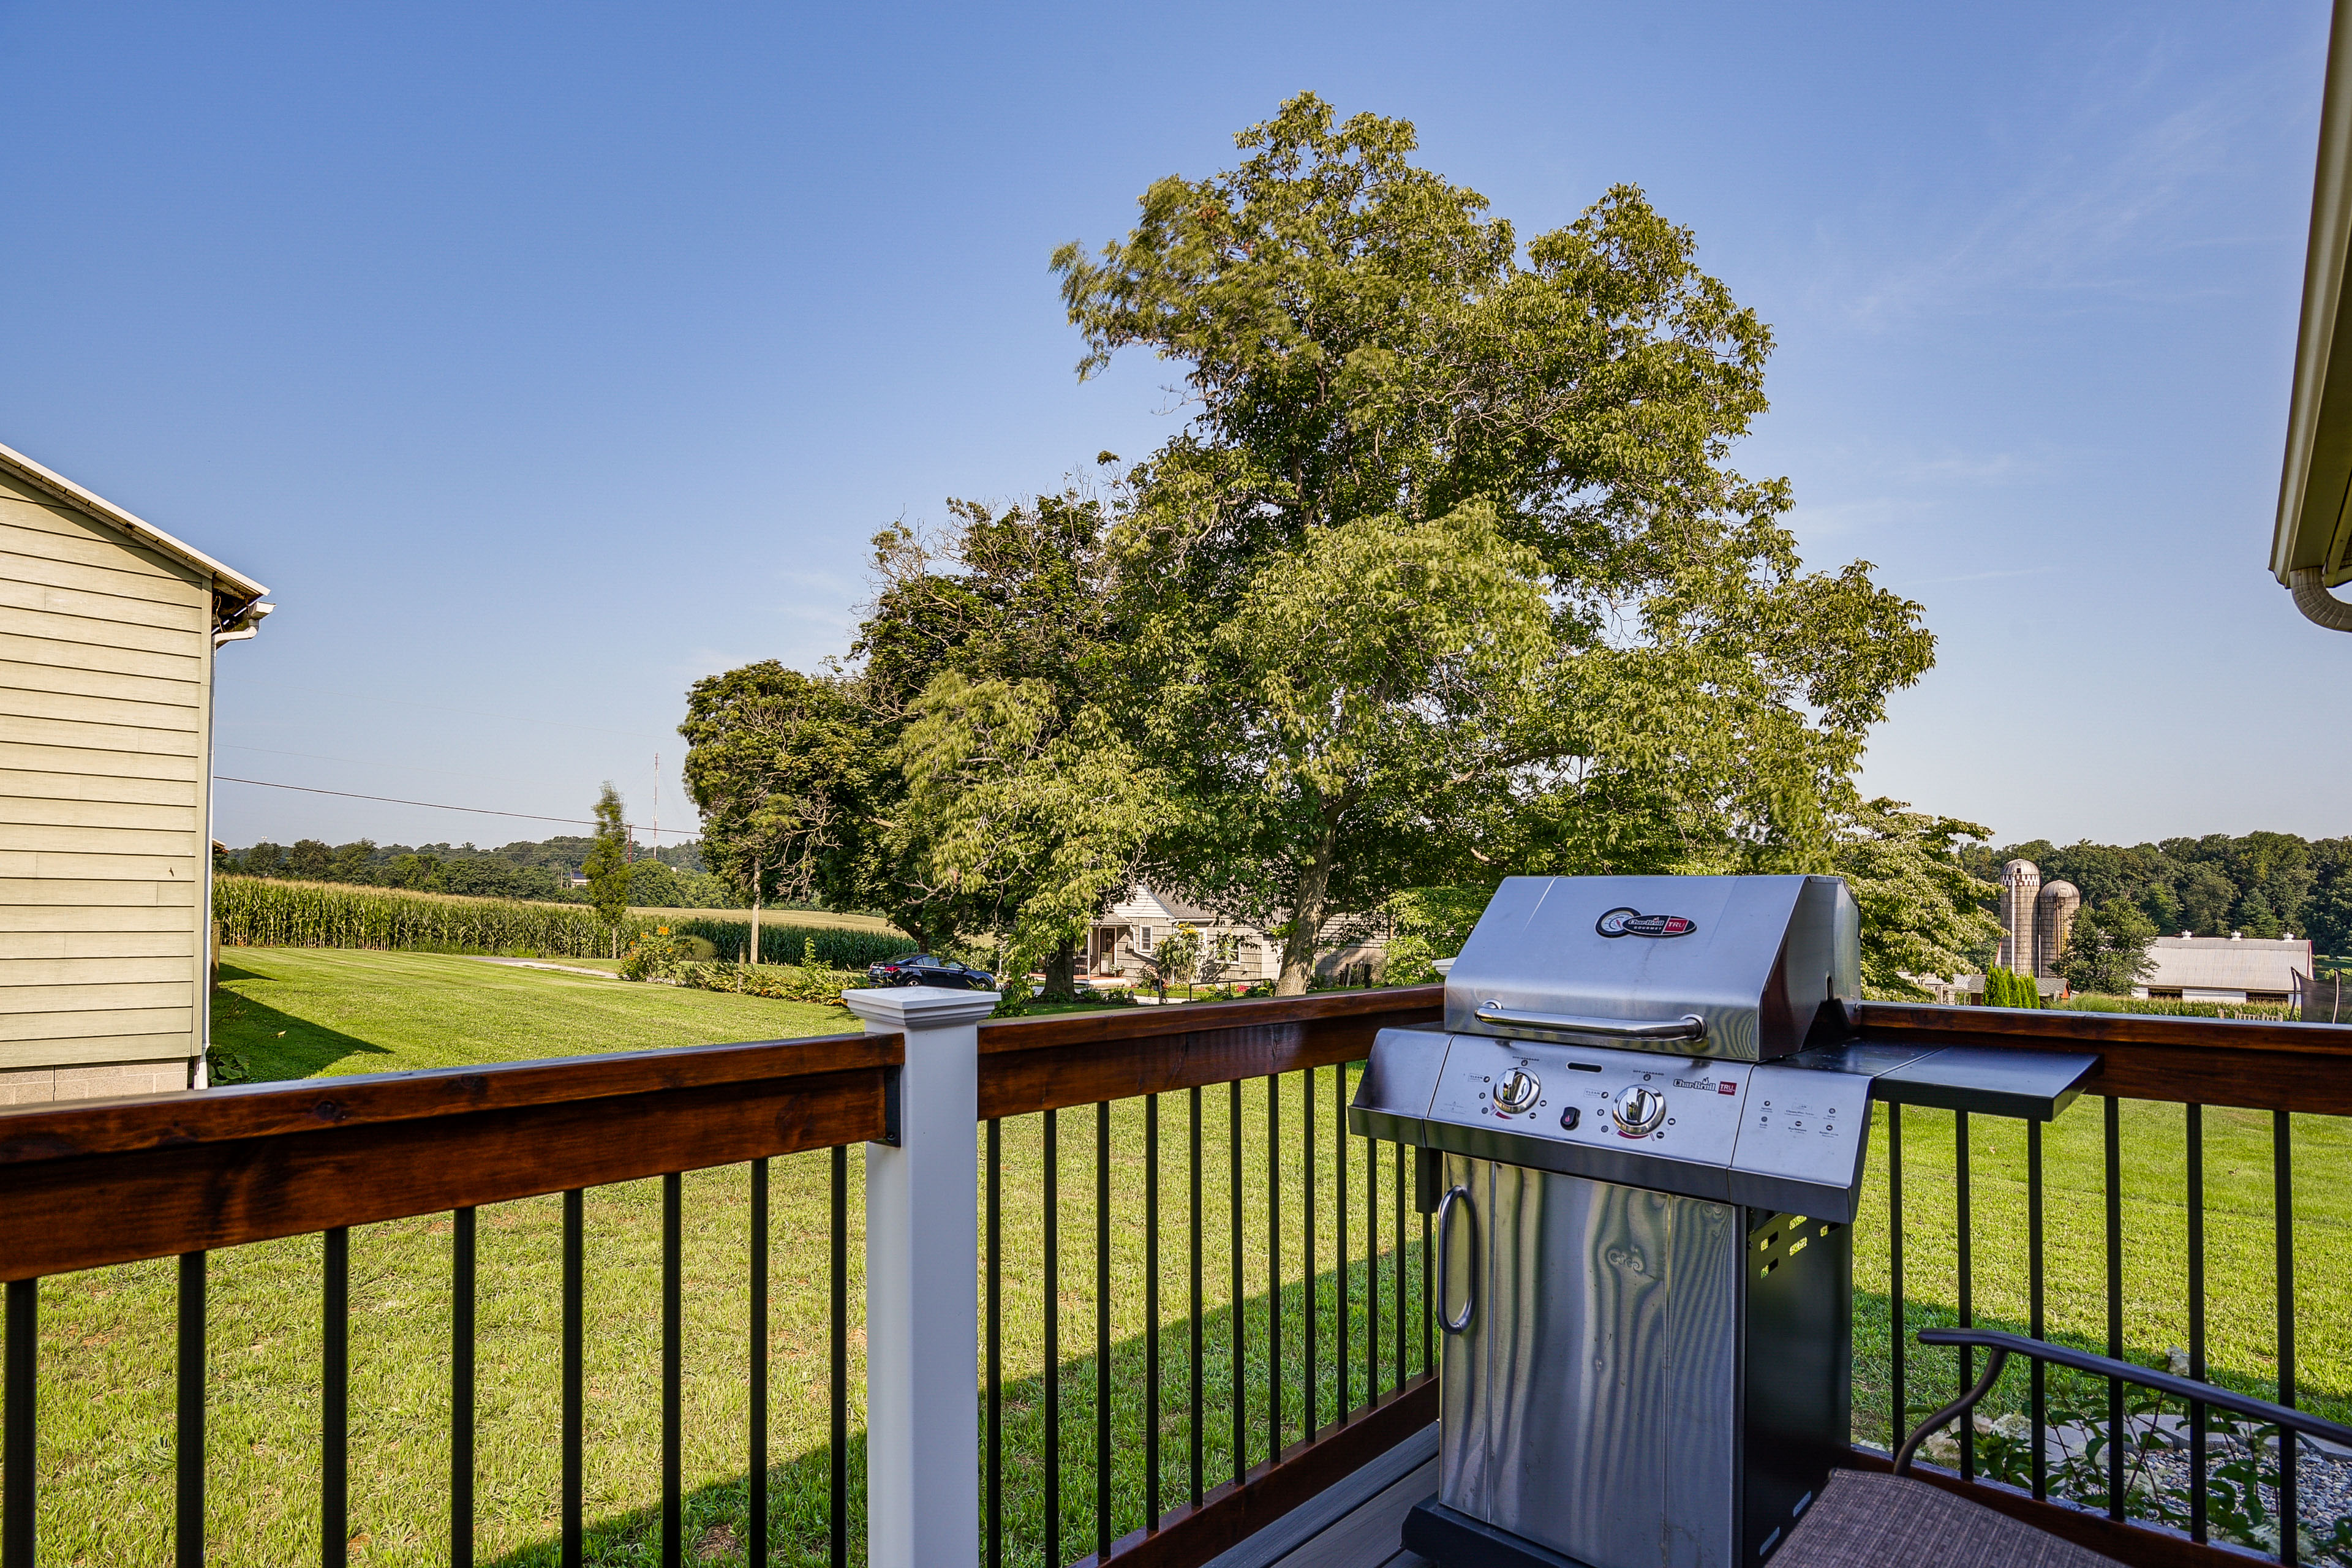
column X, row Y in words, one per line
column 1518, row 1090
column 1640, row 1109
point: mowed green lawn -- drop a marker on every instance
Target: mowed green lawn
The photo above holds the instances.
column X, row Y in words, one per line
column 2240, row 1269
column 301, row 1011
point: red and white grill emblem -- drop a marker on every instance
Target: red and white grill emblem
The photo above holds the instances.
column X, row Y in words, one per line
column 1634, row 922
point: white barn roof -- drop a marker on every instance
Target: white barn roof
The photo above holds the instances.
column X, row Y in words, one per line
column 2226, row 963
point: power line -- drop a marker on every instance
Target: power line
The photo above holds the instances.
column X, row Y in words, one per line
column 436, row 805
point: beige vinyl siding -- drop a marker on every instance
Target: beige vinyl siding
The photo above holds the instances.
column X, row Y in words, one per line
column 105, row 685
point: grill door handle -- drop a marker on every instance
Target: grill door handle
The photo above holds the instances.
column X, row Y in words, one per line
column 1689, row 1027
column 1445, row 1253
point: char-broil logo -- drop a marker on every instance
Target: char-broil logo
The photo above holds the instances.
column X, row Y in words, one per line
column 1634, row 922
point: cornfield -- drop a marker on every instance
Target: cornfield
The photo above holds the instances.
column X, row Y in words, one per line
column 257, row 912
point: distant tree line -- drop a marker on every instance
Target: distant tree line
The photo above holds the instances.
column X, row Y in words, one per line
column 2263, row 884
column 671, row 876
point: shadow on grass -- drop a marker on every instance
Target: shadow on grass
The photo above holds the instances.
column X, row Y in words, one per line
column 716, row 1518
column 274, row 1044
column 716, row 1521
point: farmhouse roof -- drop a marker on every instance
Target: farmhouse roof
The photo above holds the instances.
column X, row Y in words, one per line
column 227, row 579
column 2227, row 963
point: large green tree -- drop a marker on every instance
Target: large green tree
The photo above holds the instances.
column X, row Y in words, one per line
column 953, row 779
column 1922, row 914
column 1582, row 640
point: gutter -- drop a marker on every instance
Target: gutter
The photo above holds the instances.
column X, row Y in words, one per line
column 2312, row 537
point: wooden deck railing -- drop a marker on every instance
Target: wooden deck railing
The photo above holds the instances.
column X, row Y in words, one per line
column 1347, row 1373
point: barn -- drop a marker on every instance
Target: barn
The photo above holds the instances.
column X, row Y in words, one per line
column 109, row 628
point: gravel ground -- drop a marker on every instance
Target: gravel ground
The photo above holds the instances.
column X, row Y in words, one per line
column 2323, row 1470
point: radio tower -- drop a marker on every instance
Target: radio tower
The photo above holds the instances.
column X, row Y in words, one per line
column 656, row 806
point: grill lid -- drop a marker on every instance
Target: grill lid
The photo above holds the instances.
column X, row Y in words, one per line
column 1744, row 968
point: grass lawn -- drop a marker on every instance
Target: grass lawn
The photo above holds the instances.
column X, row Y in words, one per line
column 306, row 1012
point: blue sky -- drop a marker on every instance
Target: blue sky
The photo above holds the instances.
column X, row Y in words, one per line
column 542, row 360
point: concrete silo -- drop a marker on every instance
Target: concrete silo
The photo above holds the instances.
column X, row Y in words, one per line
column 2020, row 883
column 2054, row 921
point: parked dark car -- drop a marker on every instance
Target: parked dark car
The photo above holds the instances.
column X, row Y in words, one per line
column 922, row 969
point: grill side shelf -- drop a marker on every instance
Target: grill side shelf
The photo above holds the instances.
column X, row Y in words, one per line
column 2033, row 1085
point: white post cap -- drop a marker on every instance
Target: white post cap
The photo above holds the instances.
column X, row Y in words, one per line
column 919, row 1007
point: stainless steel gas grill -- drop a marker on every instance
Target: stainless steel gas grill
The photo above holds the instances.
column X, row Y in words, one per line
column 1642, row 1129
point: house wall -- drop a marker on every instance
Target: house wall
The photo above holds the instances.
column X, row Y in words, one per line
column 105, row 738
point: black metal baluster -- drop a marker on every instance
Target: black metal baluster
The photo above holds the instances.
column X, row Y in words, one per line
column 1234, row 1192
column 1396, row 1167
column 1151, row 1311
column 2114, row 1305
column 1342, row 1289
column 1372, row 1273
column 1102, row 1330
column 995, row 1456
column 1895, row 1273
column 17, row 1446
column 2290, row 1444
column 1053, row 1220
column 837, row 1514
column 2035, row 1280
column 1199, row 1408
column 2198, row 1525
column 673, row 1518
column 335, row 1400
column 574, row 1342
column 1307, row 1391
column 461, row 1389
column 1428, row 1351
column 1274, row 1267
column 188, row 1532
column 757, row 1464
column 1961, row 1215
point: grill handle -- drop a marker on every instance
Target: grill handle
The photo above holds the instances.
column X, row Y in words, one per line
column 1689, row 1027
column 1446, row 1252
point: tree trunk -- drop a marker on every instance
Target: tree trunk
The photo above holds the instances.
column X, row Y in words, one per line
column 1062, row 972
column 753, row 955
column 1307, row 918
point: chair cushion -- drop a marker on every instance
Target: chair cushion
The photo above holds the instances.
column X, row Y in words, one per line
column 1865, row 1521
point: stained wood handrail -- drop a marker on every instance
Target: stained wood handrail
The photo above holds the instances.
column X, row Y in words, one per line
column 157, row 1175
column 1080, row 1058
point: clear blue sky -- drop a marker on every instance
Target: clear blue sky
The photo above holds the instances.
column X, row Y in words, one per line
column 544, row 360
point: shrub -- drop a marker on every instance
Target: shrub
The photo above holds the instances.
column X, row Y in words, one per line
column 779, row 981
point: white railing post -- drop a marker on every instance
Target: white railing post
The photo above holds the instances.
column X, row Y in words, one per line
column 922, row 1300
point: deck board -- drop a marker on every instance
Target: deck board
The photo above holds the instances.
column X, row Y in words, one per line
column 1355, row 1524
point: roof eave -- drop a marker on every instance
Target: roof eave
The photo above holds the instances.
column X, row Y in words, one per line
column 226, row 578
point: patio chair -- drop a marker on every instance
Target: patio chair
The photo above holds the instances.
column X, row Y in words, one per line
column 1865, row 1521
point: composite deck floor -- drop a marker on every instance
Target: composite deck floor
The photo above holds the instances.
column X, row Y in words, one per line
column 1354, row 1524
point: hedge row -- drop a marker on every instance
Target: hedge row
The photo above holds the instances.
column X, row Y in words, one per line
column 254, row 911
column 831, row 947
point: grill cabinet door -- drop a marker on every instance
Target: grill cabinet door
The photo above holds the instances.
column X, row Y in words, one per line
column 1590, row 1404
